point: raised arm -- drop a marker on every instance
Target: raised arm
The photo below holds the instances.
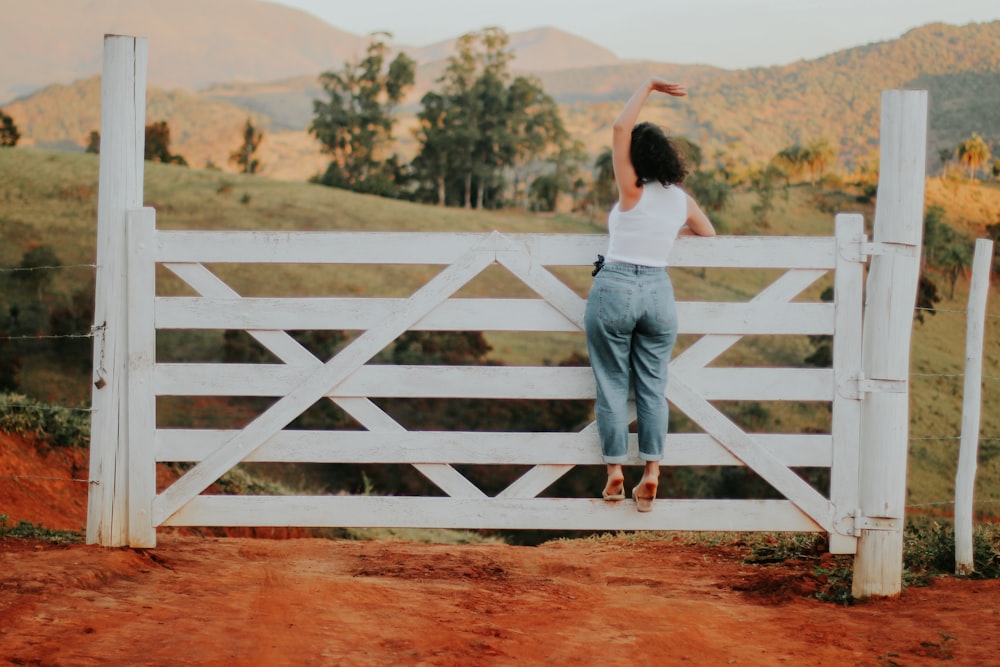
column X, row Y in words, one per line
column 621, row 141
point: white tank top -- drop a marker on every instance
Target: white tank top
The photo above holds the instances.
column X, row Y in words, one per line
column 645, row 234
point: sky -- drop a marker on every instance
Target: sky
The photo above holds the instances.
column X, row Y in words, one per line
column 725, row 33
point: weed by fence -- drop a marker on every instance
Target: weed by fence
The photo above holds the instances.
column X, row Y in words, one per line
column 58, row 426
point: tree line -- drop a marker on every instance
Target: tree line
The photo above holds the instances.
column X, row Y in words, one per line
column 487, row 138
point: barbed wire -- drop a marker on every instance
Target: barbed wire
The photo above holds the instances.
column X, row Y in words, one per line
column 991, row 316
column 16, row 269
column 992, row 378
column 48, row 336
column 57, row 479
column 952, row 437
column 90, row 334
column 985, row 501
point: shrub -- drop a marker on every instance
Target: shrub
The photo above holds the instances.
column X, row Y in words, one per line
column 55, row 425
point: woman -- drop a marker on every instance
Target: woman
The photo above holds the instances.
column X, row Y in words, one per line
column 631, row 318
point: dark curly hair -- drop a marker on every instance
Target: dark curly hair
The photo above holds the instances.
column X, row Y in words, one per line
column 655, row 157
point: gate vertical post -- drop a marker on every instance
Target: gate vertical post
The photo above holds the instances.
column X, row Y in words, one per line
column 846, row 409
column 888, row 324
column 141, row 295
column 123, row 114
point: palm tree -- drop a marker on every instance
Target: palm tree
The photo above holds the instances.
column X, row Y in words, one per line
column 973, row 153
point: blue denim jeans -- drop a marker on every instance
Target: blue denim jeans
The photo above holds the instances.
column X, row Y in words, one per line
column 631, row 326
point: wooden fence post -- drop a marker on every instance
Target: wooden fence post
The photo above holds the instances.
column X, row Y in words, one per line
column 888, row 324
column 123, row 124
column 972, row 396
column 141, row 294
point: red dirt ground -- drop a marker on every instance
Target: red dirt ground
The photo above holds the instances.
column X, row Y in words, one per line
column 305, row 601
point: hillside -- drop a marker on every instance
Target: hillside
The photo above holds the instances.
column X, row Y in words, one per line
column 192, row 43
column 203, row 128
column 838, row 96
column 739, row 116
column 50, row 198
column 197, row 43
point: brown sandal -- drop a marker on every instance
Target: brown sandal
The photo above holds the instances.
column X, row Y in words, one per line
column 614, row 497
column 643, row 503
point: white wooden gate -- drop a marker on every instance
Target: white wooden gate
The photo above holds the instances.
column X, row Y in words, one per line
column 867, row 387
column 350, row 382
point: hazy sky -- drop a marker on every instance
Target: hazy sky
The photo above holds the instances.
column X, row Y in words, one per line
column 726, row 33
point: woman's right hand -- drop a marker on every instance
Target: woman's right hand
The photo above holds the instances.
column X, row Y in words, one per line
column 664, row 86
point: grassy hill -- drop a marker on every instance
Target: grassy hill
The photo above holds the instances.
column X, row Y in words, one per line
column 837, row 96
column 50, row 198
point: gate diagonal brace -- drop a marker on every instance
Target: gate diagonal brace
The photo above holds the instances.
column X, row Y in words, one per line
column 322, row 380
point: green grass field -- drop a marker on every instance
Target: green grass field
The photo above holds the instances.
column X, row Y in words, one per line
column 49, row 198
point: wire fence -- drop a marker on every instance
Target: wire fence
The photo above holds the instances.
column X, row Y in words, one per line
column 47, row 478
column 23, row 269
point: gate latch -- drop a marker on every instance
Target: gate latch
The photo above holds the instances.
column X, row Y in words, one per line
column 856, row 387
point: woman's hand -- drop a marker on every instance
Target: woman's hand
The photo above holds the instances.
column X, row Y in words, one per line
column 664, row 86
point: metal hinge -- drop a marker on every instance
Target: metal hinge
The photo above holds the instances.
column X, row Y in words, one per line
column 854, row 522
column 877, row 523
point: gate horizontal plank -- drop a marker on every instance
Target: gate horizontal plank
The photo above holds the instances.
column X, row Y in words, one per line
column 307, row 314
column 244, row 247
column 496, row 513
column 498, row 382
column 477, row 447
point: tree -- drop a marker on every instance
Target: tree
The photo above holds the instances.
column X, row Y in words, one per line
column 9, row 135
column 973, row 154
column 944, row 247
column 944, row 156
column 432, row 163
column 710, row 189
column 243, row 157
column 604, row 178
column 792, row 160
column 762, row 183
column 93, row 142
column 820, row 154
column 157, row 147
column 993, row 231
column 34, row 268
column 535, row 128
column 355, row 124
column 483, row 135
column 955, row 258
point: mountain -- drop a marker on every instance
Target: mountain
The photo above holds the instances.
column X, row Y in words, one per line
column 192, row 43
column 196, row 43
column 741, row 115
column 838, row 96
column 542, row 49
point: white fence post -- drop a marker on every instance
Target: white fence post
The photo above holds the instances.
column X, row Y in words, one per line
column 123, row 113
column 972, row 395
column 888, row 324
column 141, row 393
